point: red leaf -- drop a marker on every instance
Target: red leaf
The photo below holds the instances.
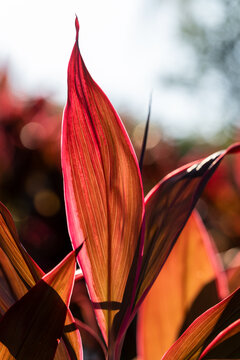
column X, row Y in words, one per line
column 168, row 206
column 226, row 345
column 103, row 191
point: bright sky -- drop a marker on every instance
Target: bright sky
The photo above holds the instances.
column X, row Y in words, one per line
column 125, row 45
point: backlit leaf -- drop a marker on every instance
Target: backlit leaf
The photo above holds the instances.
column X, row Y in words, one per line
column 82, row 309
column 33, row 326
column 12, row 287
column 61, row 352
column 226, row 345
column 168, row 206
column 103, row 190
column 233, row 273
column 191, row 265
column 205, row 329
column 100, row 350
column 20, row 273
column 11, row 246
column 72, row 339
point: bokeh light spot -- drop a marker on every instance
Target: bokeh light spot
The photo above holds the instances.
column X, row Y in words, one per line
column 46, row 203
column 32, row 135
column 154, row 136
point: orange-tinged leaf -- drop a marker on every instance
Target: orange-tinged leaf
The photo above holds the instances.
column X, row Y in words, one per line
column 33, row 326
column 70, row 334
column 21, row 273
column 168, row 206
column 233, row 273
column 82, row 310
column 205, row 329
column 191, row 265
column 61, row 352
column 99, row 348
column 6, row 299
column 226, row 345
column 103, row 190
column 10, row 244
column 12, row 287
column 72, row 339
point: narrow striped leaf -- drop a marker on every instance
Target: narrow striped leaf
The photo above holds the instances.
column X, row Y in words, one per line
column 11, row 246
column 103, row 191
column 226, row 345
column 12, row 287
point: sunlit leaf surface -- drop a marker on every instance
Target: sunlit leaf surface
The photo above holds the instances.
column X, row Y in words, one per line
column 191, row 265
column 12, row 287
column 205, row 328
column 103, row 190
column 33, row 326
column 19, row 273
column 82, row 309
column 233, row 273
column 226, row 345
column 11, row 246
column 168, row 207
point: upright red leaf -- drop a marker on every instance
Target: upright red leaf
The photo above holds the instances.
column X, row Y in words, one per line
column 103, row 190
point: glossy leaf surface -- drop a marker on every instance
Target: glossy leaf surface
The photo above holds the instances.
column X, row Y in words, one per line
column 191, row 265
column 205, row 329
column 103, row 190
column 32, row 327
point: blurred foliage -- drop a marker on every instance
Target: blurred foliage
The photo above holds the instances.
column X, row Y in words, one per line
column 211, row 29
column 30, row 176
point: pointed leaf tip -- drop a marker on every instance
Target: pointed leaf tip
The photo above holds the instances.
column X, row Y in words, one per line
column 76, row 26
column 145, row 136
column 77, row 250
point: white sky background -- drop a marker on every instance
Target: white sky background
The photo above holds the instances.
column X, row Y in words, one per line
column 126, row 45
